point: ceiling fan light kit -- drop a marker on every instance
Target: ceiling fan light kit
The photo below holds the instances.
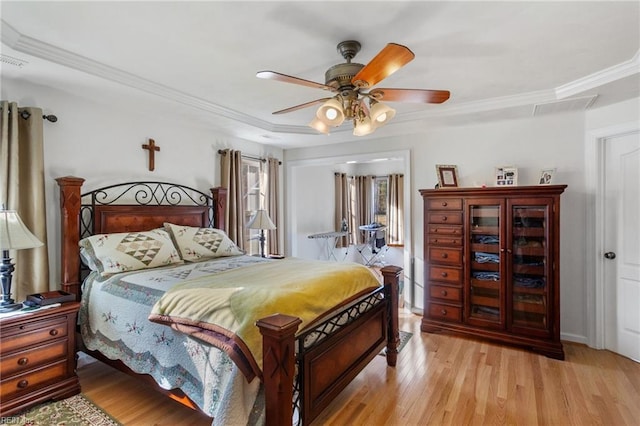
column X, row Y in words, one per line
column 349, row 79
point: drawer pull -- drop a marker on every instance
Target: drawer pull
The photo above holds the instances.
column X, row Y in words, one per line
column 444, row 274
column 23, row 361
column 435, row 241
column 53, row 332
column 444, row 218
column 444, row 204
column 443, row 292
column 443, row 312
column 444, row 255
column 23, row 384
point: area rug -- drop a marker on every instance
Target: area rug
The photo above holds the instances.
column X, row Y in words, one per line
column 74, row 411
column 404, row 338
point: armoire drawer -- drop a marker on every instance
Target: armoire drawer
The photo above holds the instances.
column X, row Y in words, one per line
column 444, row 204
column 445, row 312
column 444, row 274
column 454, row 218
column 453, row 294
column 449, row 256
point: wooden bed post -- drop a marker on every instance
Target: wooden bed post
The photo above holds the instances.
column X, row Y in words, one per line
column 70, row 201
column 219, row 195
column 391, row 276
column 278, row 369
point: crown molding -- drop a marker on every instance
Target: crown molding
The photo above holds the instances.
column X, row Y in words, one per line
column 600, row 78
column 40, row 49
column 37, row 48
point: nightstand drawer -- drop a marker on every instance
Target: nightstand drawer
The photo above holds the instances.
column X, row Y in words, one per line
column 32, row 380
column 450, row 256
column 32, row 333
column 446, row 293
column 24, row 360
column 445, row 312
column 444, row 204
column 445, row 217
column 449, row 275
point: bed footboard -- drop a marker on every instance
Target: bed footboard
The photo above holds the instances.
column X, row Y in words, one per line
column 326, row 368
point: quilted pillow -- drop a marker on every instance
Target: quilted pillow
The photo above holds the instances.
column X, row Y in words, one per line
column 201, row 243
column 129, row 251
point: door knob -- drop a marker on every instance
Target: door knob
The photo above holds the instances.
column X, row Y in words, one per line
column 610, row 255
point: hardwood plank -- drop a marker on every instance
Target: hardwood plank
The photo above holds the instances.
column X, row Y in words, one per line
column 439, row 379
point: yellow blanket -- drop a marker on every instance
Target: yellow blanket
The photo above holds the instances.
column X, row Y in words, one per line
column 222, row 308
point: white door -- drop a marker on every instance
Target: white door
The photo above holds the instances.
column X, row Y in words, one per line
column 622, row 245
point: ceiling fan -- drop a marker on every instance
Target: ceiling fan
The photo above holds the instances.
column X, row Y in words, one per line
column 350, row 81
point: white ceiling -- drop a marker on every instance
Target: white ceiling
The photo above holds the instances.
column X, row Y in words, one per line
column 198, row 60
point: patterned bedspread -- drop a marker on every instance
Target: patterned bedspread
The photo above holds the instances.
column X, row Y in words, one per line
column 114, row 321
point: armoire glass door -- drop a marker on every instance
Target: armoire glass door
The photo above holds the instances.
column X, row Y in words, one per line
column 530, row 270
column 484, row 302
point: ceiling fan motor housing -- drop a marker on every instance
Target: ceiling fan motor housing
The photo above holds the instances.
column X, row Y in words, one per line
column 340, row 76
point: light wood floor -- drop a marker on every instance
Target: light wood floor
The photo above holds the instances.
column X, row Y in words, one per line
column 439, row 380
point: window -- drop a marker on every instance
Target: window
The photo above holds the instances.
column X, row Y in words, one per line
column 253, row 191
column 380, row 200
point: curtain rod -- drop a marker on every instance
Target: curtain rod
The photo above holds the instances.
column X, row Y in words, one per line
column 251, row 157
column 372, row 176
column 26, row 114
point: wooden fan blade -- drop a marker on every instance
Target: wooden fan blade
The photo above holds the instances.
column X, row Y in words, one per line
column 386, row 62
column 411, row 95
column 272, row 75
column 305, row 105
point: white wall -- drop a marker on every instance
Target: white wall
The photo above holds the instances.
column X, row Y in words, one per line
column 102, row 143
column 530, row 144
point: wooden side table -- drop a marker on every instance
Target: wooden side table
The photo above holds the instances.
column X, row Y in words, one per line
column 37, row 357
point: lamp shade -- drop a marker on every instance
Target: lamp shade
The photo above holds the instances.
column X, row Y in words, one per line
column 14, row 234
column 363, row 127
column 261, row 220
column 319, row 126
column 381, row 113
column 331, row 113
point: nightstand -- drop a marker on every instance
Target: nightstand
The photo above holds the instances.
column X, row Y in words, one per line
column 37, row 357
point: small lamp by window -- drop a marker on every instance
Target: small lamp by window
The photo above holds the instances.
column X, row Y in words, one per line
column 14, row 235
column 261, row 221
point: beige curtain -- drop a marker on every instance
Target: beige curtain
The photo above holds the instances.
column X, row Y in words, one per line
column 22, row 189
column 395, row 210
column 231, row 178
column 272, row 203
column 362, row 190
column 341, row 202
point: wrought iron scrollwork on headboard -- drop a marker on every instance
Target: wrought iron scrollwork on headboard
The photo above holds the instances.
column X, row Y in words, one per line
column 141, row 194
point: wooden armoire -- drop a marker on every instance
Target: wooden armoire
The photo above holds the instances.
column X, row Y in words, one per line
column 492, row 264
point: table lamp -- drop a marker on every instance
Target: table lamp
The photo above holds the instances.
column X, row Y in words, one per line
column 14, row 235
column 261, row 221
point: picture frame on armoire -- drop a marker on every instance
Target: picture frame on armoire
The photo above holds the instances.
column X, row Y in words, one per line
column 447, row 176
column 546, row 176
column 506, row 176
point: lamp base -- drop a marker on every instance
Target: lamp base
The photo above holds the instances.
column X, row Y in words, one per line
column 9, row 306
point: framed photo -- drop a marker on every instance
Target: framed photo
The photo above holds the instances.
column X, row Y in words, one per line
column 506, row 176
column 447, row 176
column 546, row 176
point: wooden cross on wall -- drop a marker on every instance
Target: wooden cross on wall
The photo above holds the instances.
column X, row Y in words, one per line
column 151, row 146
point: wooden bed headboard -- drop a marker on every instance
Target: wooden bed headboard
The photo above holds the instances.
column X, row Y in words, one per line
column 128, row 207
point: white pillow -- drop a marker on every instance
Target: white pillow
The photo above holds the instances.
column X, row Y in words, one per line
column 201, row 243
column 129, row 251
